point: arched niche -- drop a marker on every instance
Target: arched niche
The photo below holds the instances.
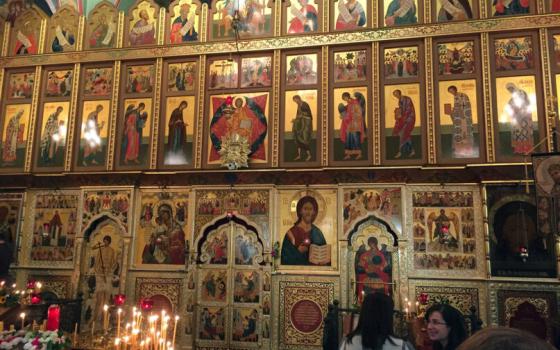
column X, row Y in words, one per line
column 102, row 27
column 62, row 30
column 372, row 260
column 102, row 267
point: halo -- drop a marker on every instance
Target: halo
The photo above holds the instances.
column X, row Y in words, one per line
column 542, row 178
column 318, row 197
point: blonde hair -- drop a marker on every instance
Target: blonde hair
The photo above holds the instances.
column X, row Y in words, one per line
column 501, row 338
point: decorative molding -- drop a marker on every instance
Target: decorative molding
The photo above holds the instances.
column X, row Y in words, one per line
column 275, row 117
column 487, row 96
column 33, row 120
column 376, row 105
column 200, row 120
column 113, row 116
column 275, row 43
column 156, row 116
column 325, row 106
column 168, row 287
column 430, row 117
column 72, row 116
column 549, row 104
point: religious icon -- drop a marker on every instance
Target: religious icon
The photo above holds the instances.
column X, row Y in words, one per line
column 94, row 133
column 181, row 76
column 400, row 12
column 26, row 40
column 456, row 58
column 244, row 328
column 402, row 104
column 304, row 243
column 382, row 203
column 301, row 69
column 54, row 229
column 254, row 16
column 101, row 270
column 223, row 74
column 214, row 286
column 184, row 23
column 459, row 119
column 212, row 324
column 59, row 83
column 556, row 39
column 143, row 25
column 302, row 17
column 373, row 265
column 454, row 10
column 110, row 202
column 14, row 135
column 350, row 14
column 140, row 79
column 401, row 62
column 517, row 110
column 445, row 225
column 11, row 205
column 511, row 7
column 98, row 81
column 64, row 39
column 166, row 244
column 350, row 66
column 266, row 305
column 350, row 123
column 53, row 134
column 135, row 145
column 216, row 246
column 246, row 287
column 241, row 115
column 102, row 29
column 20, row 85
column 513, row 54
column 256, row 71
column 300, row 126
column 246, row 249
column 179, row 132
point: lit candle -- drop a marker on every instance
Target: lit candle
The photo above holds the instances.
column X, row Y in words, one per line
column 117, row 343
column 75, row 334
column 53, row 317
column 119, row 312
column 175, row 330
column 92, row 329
column 22, row 316
column 105, row 317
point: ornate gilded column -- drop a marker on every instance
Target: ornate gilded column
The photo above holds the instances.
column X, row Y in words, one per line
column 430, row 117
column 120, row 30
column 72, row 116
column 275, row 116
column 162, row 22
column 376, row 105
column 326, row 15
column 5, row 39
column 278, row 5
column 428, row 11
column 203, row 30
column 325, row 106
column 541, row 6
column 156, row 113
column 487, row 98
column 81, row 28
column 200, row 119
column 33, row 120
column 550, row 108
column 484, row 197
column 42, row 37
column 483, row 6
column 113, row 117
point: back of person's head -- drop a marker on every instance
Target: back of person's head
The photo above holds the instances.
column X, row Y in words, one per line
column 375, row 324
column 501, row 338
column 455, row 320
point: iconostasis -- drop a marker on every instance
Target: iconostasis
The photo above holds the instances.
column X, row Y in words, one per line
column 114, row 124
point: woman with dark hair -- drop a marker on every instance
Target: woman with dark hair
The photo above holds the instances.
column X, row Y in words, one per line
column 498, row 338
column 445, row 326
column 375, row 327
column 300, row 237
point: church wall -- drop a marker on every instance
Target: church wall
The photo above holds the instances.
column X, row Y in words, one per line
column 395, row 193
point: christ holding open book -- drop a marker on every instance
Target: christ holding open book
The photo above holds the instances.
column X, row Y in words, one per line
column 304, row 243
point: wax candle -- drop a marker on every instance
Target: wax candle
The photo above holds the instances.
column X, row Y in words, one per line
column 53, row 317
column 22, row 316
column 74, row 339
column 175, row 330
